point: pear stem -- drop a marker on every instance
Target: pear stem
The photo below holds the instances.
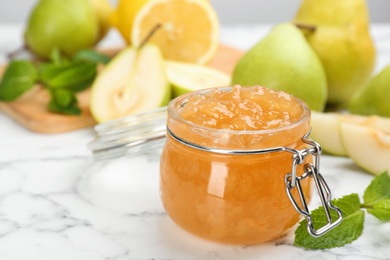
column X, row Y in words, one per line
column 150, row 34
column 307, row 27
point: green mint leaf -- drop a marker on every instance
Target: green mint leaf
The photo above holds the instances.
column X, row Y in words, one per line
column 19, row 77
column 377, row 197
column 381, row 210
column 47, row 71
column 64, row 102
column 91, row 56
column 347, row 231
column 75, row 76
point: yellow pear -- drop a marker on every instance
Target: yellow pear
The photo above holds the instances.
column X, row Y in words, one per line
column 103, row 11
column 123, row 16
column 338, row 31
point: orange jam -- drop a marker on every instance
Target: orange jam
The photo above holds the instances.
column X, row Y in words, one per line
column 233, row 198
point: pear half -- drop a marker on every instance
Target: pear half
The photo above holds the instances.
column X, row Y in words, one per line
column 368, row 147
column 133, row 82
column 186, row 77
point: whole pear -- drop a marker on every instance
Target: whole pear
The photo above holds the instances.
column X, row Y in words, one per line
column 122, row 18
column 103, row 11
column 283, row 60
column 374, row 98
column 342, row 40
column 68, row 25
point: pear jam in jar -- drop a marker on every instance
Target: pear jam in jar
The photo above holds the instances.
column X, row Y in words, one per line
column 211, row 185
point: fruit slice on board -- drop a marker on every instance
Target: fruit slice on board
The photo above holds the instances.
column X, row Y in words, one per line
column 368, row 147
column 188, row 30
column 187, row 77
column 133, row 82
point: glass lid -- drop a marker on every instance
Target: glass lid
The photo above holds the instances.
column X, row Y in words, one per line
column 129, row 136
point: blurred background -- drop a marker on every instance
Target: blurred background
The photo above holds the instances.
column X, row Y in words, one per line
column 229, row 11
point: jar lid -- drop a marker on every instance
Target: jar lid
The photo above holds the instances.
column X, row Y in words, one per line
column 129, row 136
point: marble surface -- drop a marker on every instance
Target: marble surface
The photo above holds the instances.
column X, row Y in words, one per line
column 56, row 203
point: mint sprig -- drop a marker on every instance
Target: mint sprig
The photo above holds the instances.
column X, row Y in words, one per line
column 74, row 76
column 377, row 197
column 61, row 76
column 92, row 56
column 19, row 77
column 64, row 101
column 376, row 202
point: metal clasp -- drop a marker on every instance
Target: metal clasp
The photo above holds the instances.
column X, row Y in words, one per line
column 293, row 181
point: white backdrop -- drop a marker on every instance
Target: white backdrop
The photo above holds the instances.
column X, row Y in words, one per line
column 229, row 11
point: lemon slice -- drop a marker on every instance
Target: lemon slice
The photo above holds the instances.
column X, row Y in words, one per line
column 189, row 29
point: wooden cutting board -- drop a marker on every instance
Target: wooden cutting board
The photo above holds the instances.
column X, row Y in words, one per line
column 30, row 110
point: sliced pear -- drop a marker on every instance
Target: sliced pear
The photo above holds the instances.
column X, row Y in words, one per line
column 325, row 131
column 368, row 147
column 187, row 77
column 133, row 82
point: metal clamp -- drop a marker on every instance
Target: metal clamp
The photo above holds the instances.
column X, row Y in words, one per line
column 293, row 181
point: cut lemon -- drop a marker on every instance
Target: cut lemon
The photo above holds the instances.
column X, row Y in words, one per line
column 186, row 77
column 189, row 29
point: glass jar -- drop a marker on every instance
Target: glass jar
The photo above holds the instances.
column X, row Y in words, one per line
column 223, row 185
column 217, row 188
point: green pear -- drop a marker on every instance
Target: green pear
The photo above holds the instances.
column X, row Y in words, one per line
column 283, row 60
column 339, row 34
column 374, row 98
column 66, row 25
column 133, row 82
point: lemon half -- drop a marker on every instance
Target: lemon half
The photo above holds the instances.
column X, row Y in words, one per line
column 189, row 29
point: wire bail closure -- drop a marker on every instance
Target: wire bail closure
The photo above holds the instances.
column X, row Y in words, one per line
column 292, row 181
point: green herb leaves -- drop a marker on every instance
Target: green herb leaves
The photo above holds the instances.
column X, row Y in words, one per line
column 19, row 77
column 377, row 197
column 376, row 201
column 62, row 77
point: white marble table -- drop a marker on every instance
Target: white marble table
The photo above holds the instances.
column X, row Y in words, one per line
column 43, row 216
